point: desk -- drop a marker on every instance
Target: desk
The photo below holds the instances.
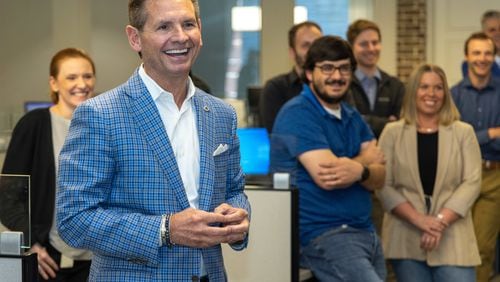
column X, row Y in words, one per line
column 273, row 247
column 22, row 268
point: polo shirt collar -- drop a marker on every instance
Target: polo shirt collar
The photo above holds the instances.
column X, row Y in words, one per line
column 309, row 95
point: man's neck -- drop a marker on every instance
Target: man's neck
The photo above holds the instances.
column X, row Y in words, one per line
column 298, row 70
column 368, row 70
column 479, row 82
column 177, row 85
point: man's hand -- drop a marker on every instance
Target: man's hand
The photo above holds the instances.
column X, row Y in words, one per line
column 201, row 229
column 494, row 132
column 339, row 173
column 47, row 267
column 236, row 218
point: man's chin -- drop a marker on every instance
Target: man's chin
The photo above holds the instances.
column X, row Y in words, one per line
column 331, row 99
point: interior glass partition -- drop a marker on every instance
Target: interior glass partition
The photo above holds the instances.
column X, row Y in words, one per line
column 230, row 58
column 15, row 210
column 331, row 15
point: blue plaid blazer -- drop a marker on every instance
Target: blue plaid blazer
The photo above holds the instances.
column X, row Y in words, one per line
column 118, row 175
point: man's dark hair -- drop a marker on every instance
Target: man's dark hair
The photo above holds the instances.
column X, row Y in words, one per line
column 328, row 48
column 292, row 33
column 357, row 27
column 479, row 36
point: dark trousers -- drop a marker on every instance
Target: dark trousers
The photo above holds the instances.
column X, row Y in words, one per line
column 78, row 273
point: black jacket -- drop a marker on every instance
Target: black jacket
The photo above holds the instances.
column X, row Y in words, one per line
column 31, row 153
column 390, row 92
column 277, row 91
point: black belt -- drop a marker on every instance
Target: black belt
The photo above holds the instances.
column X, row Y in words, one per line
column 491, row 164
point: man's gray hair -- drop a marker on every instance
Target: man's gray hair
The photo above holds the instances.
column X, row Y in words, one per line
column 137, row 15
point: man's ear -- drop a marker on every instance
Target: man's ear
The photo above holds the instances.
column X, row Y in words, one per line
column 133, row 38
column 201, row 37
column 291, row 54
column 309, row 75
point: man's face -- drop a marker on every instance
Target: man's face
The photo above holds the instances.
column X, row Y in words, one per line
column 330, row 80
column 480, row 57
column 492, row 28
column 366, row 48
column 304, row 38
column 170, row 40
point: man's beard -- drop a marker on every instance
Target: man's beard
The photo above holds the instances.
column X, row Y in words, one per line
column 299, row 61
column 324, row 96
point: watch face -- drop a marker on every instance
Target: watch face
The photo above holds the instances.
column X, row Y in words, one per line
column 366, row 174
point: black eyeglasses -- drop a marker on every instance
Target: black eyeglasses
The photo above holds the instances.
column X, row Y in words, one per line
column 329, row 69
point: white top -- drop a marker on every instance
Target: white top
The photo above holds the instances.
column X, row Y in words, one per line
column 60, row 128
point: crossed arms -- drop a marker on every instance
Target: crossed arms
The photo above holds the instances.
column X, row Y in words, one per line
column 331, row 172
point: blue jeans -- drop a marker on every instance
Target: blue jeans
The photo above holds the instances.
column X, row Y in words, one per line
column 408, row 270
column 345, row 254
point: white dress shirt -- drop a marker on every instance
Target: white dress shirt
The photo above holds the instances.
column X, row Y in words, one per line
column 182, row 132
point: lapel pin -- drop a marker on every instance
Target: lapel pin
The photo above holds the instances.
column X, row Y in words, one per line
column 206, row 109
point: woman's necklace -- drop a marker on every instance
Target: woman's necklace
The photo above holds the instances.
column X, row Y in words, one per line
column 427, row 129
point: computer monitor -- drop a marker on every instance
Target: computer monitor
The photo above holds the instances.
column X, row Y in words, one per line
column 31, row 105
column 254, row 150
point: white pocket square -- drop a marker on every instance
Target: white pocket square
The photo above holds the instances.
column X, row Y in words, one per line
column 221, row 149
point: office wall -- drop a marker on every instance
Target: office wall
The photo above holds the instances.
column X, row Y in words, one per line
column 33, row 30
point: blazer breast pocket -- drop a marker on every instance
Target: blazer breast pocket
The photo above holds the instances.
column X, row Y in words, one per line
column 222, row 148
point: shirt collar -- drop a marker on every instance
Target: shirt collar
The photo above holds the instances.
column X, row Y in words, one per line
column 308, row 94
column 361, row 75
column 491, row 83
column 155, row 90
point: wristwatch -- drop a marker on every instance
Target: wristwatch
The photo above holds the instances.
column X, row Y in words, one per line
column 365, row 174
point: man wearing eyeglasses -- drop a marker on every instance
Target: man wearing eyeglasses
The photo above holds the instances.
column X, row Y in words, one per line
column 376, row 94
column 331, row 154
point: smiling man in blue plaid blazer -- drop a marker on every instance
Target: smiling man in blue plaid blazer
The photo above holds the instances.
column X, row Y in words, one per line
column 149, row 178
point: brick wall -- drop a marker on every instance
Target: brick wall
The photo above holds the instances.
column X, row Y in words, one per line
column 411, row 36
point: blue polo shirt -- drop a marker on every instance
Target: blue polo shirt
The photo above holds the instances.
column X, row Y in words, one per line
column 481, row 109
column 303, row 125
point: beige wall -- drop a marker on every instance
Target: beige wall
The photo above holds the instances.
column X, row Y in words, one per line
column 33, row 30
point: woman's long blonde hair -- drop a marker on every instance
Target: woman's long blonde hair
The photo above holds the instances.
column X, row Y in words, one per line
column 448, row 113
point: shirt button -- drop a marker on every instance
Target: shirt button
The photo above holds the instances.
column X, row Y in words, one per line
column 480, row 110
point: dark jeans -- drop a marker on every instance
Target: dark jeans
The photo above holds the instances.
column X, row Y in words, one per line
column 345, row 254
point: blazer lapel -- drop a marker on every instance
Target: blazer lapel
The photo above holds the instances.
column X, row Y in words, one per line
column 205, row 124
column 410, row 140
column 145, row 113
column 445, row 144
